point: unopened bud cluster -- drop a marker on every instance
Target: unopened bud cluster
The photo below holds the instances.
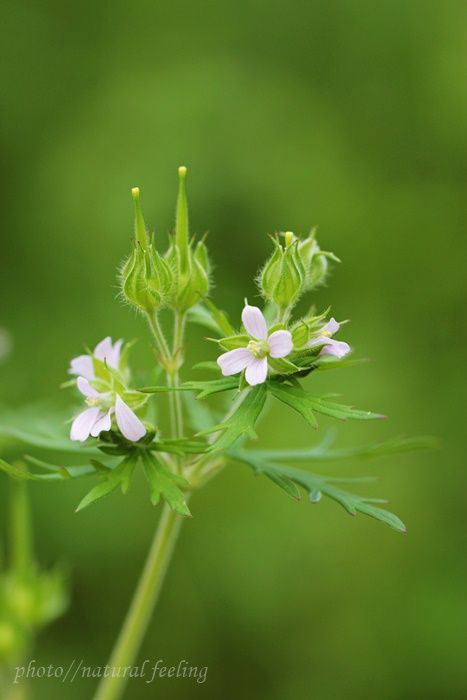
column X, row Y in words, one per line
column 179, row 278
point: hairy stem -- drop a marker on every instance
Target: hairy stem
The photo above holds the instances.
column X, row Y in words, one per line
column 179, row 329
column 167, row 361
column 159, row 337
column 142, row 606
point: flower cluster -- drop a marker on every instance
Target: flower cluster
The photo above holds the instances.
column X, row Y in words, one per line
column 179, row 280
column 262, row 344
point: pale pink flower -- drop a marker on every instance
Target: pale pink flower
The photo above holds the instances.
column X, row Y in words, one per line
column 106, row 351
column 338, row 348
column 98, row 416
column 254, row 356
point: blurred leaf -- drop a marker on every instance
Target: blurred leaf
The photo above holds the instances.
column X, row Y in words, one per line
column 58, row 473
column 316, row 485
column 200, row 416
column 220, row 319
column 322, row 452
column 46, row 441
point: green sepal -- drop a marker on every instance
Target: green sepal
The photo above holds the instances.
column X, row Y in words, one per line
column 147, row 279
column 282, row 277
column 181, row 223
column 234, row 341
column 282, row 366
column 304, row 328
column 141, row 236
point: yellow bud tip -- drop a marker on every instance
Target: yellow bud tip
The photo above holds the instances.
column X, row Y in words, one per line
column 289, row 238
column 182, row 171
column 135, row 192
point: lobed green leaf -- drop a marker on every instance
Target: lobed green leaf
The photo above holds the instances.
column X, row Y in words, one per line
column 242, row 420
column 316, row 486
column 307, row 404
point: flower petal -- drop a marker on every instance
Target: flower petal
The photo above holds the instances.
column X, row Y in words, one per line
column 280, row 343
column 320, row 340
column 83, row 423
column 331, row 327
column 85, row 388
column 234, row 361
column 113, row 359
column 103, row 423
column 257, row 371
column 103, row 350
column 338, row 348
column 128, row 422
column 254, row 322
column 82, row 366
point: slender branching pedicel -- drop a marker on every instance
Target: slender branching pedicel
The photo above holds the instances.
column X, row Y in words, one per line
column 273, row 351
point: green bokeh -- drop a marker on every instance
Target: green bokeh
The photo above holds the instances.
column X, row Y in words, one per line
column 350, row 115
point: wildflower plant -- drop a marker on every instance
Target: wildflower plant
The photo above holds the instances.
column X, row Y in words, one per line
column 271, row 354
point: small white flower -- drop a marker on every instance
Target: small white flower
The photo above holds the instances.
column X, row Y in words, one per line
column 338, row 348
column 106, row 351
column 98, row 417
column 254, row 356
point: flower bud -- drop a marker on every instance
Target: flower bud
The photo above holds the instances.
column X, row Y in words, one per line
column 190, row 263
column 146, row 277
column 314, row 261
column 281, row 280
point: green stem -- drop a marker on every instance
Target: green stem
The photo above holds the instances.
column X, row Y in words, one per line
column 155, row 326
column 20, row 527
column 179, row 329
column 283, row 315
column 142, row 606
column 166, row 358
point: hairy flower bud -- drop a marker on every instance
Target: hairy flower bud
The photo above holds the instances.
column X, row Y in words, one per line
column 189, row 262
column 281, row 279
column 314, row 261
column 146, row 277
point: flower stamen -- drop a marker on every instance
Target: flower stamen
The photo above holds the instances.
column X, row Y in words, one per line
column 258, row 348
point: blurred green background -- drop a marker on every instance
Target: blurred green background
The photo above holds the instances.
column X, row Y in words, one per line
column 350, row 115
